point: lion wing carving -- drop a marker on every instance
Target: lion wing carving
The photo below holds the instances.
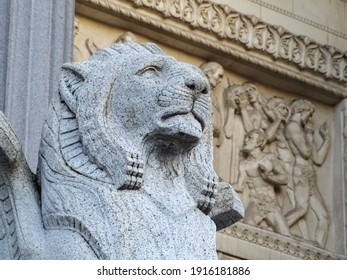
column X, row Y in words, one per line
column 20, row 213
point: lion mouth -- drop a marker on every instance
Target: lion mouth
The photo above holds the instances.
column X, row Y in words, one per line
column 185, row 115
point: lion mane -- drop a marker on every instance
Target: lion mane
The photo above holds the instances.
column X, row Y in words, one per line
column 96, row 167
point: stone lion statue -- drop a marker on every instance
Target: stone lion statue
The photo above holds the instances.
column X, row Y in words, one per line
column 125, row 166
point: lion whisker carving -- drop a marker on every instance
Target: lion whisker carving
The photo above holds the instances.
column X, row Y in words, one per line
column 125, row 165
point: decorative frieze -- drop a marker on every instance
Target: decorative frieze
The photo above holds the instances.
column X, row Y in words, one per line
column 198, row 21
column 252, row 33
column 277, row 243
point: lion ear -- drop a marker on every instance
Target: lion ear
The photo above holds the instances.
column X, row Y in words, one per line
column 72, row 77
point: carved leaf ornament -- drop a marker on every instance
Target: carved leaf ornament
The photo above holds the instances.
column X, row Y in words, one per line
column 254, row 34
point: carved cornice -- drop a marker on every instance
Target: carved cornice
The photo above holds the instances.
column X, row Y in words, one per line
column 247, row 31
column 283, row 244
column 299, row 18
column 254, row 34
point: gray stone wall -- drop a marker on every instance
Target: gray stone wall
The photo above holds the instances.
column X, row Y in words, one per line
column 36, row 38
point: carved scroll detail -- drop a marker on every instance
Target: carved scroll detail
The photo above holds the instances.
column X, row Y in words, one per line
column 252, row 33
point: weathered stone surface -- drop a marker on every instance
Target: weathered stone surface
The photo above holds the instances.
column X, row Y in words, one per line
column 125, row 163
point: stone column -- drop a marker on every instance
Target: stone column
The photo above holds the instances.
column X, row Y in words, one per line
column 36, row 39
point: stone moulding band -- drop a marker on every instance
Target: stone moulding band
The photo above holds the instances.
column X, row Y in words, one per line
column 299, row 18
column 283, row 244
column 254, row 34
column 248, row 31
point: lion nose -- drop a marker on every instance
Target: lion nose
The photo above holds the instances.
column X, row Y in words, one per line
column 196, row 82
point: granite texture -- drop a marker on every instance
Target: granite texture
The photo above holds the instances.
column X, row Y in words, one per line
column 125, row 164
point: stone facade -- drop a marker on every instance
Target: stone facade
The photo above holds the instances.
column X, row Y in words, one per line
column 270, row 55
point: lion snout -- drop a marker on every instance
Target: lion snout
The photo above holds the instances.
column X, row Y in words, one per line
column 196, row 83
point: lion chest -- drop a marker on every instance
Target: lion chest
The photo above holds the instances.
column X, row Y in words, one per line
column 143, row 228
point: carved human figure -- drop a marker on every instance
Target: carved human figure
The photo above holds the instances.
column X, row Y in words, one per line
column 76, row 26
column 126, row 37
column 299, row 132
column 125, row 165
column 250, row 105
column 233, row 126
column 231, row 97
column 83, row 46
column 214, row 73
column 278, row 112
column 261, row 172
column 77, row 54
column 243, row 113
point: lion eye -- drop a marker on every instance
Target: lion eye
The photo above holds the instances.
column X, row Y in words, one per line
column 149, row 70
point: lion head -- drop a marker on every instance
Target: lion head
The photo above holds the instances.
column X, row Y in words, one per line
column 125, row 102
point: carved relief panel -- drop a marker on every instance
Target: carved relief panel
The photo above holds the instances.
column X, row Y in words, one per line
column 269, row 149
column 273, row 146
column 271, row 153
